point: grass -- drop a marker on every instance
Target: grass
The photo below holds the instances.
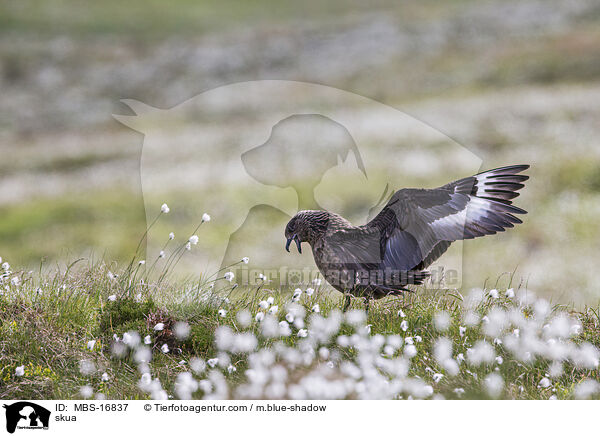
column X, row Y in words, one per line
column 47, row 321
column 151, row 19
column 41, row 228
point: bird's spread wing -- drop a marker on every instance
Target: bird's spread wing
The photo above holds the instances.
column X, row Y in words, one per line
column 418, row 225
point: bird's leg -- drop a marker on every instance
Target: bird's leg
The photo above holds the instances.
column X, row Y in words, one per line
column 347, row 302
column 367, row 302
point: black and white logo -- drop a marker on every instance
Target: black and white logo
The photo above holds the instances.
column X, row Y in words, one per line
column 26, row 415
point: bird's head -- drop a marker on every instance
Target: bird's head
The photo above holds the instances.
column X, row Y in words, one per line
column 306, row 226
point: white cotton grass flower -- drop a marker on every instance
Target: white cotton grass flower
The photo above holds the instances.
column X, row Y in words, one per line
column 147, row 339
column 159, row 327
column 86, row 392
column 494, row 294
column 317, row 282
column 316, row 308
column 229, row 276
column 297, row 294
column 437, row 377
column 284, row 329
column 404, row 325
column 510, row 293
column 587, row 389
column 494, row 384
column 205, row 218
column 142, row 355
column 188, row 246
column 197, row 365
column 112, row 298
column 441, row 321
column 185, row 385
column 302, row 333
column 401, row 314
column 324, row 353
column 131, row 338
column 273, row 310
column 104, row 377
column 289, row 317
column 544, row 383
column 482, row 352
column 5, row 266
column 222, row 313
column 161, row 254
column 145, row 381
column 388, row 350
column 587, row 356
column 263, row 304
column 90, row 344
column 181, row 330
column 442, row 351
column 164, row 208
column 356, row 317
column 471, row 319
column 245, row 260
column 193, row 239
column 171, row 236
column 410, row 351
column 119, row 349
column 87, row 367
column 270, row 300
column 20, row 371
column 259, row 317
column 212, row 362
column 541, row 309
column 244, row 317
column 555, row 369
column 164, row 348
column 309, row 291
column 142, row 262
column 461, row 331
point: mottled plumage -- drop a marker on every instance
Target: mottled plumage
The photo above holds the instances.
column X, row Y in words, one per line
column 415, row 228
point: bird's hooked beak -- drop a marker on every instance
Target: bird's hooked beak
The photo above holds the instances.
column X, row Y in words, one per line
column 289, row 241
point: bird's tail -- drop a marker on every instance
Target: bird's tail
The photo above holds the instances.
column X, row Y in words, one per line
column 398, row 285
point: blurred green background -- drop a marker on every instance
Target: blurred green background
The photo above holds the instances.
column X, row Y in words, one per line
column 512, row 81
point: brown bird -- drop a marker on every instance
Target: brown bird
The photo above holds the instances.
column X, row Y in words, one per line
column 415, row 228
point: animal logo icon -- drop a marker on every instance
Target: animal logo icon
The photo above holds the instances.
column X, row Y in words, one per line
column 24, row 414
